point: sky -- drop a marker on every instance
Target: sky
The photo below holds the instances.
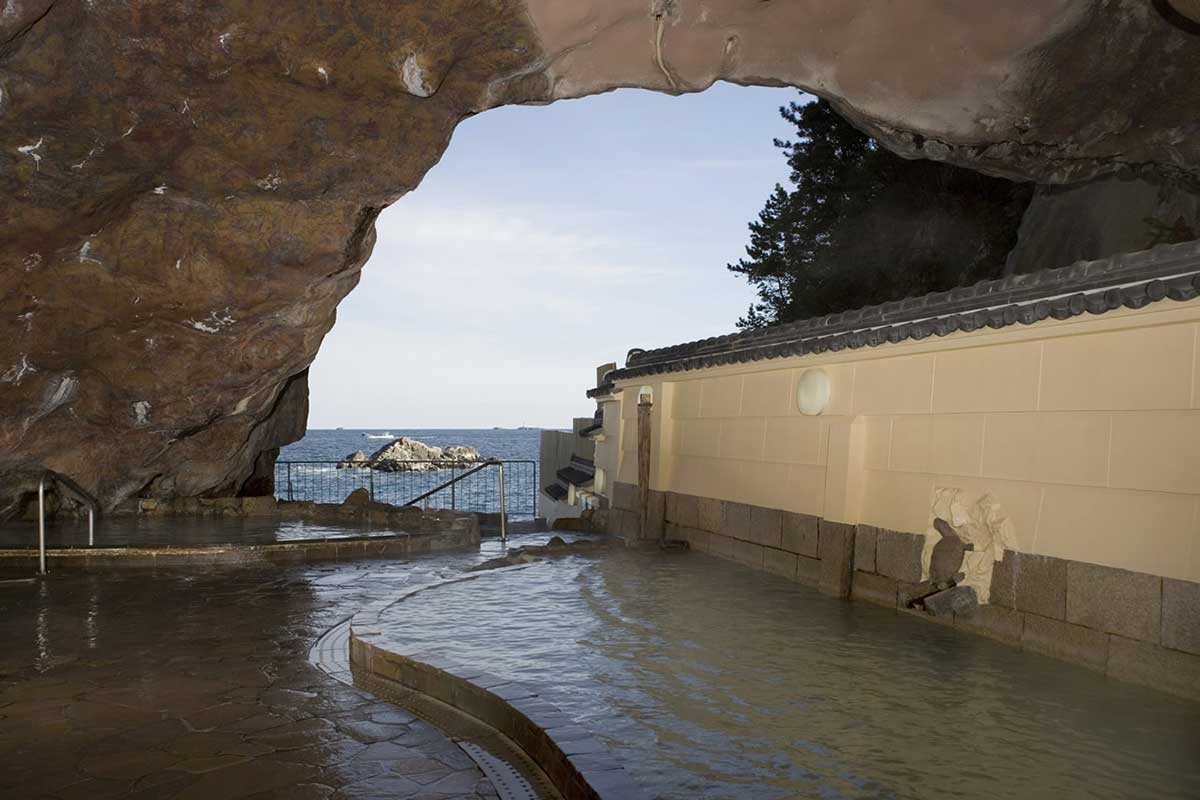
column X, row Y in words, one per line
column 547, row 241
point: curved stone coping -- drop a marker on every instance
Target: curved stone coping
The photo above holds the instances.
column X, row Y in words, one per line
column 578, row 764
column 300, row 550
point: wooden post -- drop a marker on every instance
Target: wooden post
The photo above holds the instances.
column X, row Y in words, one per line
column 645, row 404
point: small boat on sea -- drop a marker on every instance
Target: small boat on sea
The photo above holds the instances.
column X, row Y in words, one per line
column 379, row 436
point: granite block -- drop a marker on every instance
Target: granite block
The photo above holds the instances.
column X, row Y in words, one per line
column 1114, row 600
column 687, row 510
column 800, row 534
column 995, row 622
column 720, row 545
column 625, row 496
column 766, row 525
column 735, row 521
column 864, row 547
column 655, row 513
column 696, row 538
column 920, row 614
column 808, row 571
column 779, row 562
column 748, row 553
column 898, row 555
column 631, row 525
column 1181, row 615
column 836, row 547
column 1034, row 584
column 709, row 513
column 872, row 588
column 1064, row 641
column 1157, row 667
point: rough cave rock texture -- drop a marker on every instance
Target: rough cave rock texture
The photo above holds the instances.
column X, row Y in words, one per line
column 1115, row 213
column 191, row 188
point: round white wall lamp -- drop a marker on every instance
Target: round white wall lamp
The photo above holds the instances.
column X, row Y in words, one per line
column 812, row 393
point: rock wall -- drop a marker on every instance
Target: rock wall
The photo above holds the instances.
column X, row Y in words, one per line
column 1119, row 213
column 1055, row 91
column 190, row 189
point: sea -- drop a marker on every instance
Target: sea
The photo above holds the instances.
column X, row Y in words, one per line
column 506, row 444
column 326, row 483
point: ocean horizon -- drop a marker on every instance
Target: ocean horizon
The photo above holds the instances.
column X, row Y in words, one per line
column 333, row 444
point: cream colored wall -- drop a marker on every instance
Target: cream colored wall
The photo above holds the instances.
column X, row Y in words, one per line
column 608, row 449
column 1087, row 431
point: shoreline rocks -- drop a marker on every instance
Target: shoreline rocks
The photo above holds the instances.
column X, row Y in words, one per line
column 409, row 455
column 556, row 546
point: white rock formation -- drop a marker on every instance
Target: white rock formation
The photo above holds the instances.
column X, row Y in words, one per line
column 409, row 455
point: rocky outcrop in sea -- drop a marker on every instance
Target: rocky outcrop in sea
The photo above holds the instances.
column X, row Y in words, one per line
column 409, row 455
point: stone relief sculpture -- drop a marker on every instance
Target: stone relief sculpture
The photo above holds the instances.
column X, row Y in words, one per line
column 985, row 533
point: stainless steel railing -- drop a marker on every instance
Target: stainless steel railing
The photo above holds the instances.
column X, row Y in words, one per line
column 73, row 489
column 450, row 484
column 462, row 486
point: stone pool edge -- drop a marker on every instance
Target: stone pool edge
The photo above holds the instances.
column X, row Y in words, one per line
column 330, row 549
column 578, row 765
column 1130, row 626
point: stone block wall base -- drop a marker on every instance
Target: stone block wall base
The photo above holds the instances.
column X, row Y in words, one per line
column 625, row 516
column 994, row 622
column 1062, row 640
column 836, row 550
column 1130, row 626
column 878, row 589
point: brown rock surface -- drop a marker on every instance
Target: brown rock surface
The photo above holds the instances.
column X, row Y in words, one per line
column 1118, row 213
column 190, row 189
column 1031, row 90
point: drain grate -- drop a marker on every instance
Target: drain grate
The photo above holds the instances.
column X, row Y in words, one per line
column 509, row 783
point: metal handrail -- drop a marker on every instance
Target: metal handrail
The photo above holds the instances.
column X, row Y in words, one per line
column 446, row 484
column 451, row 483
column 80, row 494
column 474, row 467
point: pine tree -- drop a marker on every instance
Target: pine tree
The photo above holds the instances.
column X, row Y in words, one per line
column 861, row 225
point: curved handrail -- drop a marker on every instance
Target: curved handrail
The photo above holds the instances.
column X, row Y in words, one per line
column 72, row 488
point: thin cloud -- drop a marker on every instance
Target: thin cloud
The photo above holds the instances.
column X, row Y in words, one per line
column 496, row 288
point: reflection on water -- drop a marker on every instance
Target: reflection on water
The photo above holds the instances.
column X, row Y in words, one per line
column 713, row 681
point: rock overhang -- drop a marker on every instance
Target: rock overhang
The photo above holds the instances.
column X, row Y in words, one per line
column 191, row 191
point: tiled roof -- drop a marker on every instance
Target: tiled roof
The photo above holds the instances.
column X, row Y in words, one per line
column 1129, row 280
column 603, row 389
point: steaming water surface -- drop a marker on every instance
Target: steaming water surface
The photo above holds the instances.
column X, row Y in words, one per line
column 713, row 681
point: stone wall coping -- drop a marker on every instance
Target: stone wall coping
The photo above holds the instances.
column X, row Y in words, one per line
column 578, row 764
column 1127, row 280
column 316, row 549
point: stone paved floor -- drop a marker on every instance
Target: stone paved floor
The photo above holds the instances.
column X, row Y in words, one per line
column 197, row 686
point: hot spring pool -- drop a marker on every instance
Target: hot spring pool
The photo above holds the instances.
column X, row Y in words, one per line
column 713, row 681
